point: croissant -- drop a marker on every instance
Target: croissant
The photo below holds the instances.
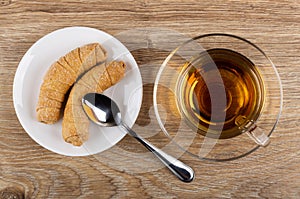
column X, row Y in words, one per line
column 75, row 123
column 61, row 76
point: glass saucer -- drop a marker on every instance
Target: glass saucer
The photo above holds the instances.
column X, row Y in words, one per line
column 175, row 125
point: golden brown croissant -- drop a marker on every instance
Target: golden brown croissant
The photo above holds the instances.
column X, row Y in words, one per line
column 61, row 76
column 75, row 124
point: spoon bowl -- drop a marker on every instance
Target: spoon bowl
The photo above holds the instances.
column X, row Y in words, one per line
column 101, row 110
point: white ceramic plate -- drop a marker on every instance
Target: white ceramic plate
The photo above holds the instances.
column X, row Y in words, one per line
column 28, row 78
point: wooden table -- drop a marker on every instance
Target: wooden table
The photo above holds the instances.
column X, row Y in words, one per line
column 28, row 170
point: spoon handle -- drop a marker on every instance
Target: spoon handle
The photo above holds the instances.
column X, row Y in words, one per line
column 181, row 170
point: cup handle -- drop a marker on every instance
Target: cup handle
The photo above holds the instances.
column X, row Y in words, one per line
column 257, row 134
column 253, row 131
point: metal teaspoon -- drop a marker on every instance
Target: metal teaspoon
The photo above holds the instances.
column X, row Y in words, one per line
column 104, row 111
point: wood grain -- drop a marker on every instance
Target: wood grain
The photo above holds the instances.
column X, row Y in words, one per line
column 29, row 171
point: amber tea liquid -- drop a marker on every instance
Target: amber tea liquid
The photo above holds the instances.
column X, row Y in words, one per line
column 220, row 91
